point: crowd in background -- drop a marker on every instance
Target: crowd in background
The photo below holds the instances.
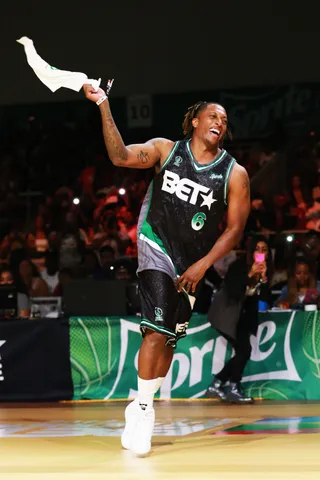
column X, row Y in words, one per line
column 67, row 213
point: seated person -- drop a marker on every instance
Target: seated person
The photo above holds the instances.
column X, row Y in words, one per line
column 302, row 287
column 35, row 286
column 50, row 274
column 23, row 302
column 66, row 275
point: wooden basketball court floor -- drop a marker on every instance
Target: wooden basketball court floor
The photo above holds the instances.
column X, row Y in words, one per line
column 200, row 439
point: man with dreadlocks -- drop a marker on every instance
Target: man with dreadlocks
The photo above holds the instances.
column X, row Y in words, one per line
column 178, row 237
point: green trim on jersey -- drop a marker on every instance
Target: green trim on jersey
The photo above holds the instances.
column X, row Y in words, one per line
column 169, row 157
column 146, row 323
column 201, row 168
column 146, row 231
column 226, row 182
column 146, row 228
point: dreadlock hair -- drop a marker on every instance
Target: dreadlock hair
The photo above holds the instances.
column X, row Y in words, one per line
column 192, row 113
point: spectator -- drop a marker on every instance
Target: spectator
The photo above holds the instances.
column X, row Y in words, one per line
column 302, row 284
column 313, row 213
column 35, row 285
column 124, row 270
column 84, row 212
column 19, row 236
column 90, row 266
column 258, row 217
column 234, row 313
column 66, row 275
column 62, row 202
column 298, row 203
column 297, row 194
column 109, row 233
column 107, row 256
column 70, row 242
column 23, row 302
column 280, row 209
column 107, row 259
column 16, row 258
column 86, row 179
column 50, row 274
column 127, row 224
column 41, row 239
column 260, row 246
column 310, row 249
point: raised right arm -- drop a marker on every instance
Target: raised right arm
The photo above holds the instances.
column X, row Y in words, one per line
column 145, row 155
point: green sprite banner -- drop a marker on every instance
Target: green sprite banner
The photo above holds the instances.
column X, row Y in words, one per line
column 254, row 113
column 284, row 364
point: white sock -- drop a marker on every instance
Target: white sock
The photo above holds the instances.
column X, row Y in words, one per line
column 146, row 391
column 160, row 381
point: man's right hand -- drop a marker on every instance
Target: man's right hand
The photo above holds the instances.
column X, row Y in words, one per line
column 92, row 94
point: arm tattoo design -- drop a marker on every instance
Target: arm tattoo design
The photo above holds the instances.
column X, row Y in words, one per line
column 112, row 138
column 114, row 141
column 143, row 157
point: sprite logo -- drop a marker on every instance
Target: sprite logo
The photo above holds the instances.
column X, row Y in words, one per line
column 104, row 358
column 266, row 336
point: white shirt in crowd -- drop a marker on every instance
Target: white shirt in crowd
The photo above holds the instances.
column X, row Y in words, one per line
column 51, row 280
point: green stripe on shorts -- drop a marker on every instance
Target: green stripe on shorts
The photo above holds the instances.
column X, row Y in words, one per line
column 146, row 323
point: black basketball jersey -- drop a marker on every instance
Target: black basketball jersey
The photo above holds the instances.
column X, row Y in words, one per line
column 186, row 203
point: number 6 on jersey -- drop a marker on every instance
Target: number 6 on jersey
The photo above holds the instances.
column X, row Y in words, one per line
column 198, row 221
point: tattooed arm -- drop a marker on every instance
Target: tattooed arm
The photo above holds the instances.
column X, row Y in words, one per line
column 135, row 156
column 238, row 211
column 144, row 155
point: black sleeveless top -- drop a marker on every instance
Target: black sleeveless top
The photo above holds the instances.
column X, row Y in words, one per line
column 186, row 203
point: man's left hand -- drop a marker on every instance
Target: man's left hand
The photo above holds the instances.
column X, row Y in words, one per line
column 191, row 277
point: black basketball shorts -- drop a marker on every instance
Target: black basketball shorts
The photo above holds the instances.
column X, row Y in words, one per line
column 163, row 308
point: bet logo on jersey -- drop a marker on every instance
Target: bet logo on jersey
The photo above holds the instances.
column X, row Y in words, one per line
column 187, row 190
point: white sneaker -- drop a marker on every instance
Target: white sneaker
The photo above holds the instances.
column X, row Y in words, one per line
column 132, row 417
column 141, row 439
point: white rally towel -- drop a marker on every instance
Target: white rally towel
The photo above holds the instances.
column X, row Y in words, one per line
column 52, row 77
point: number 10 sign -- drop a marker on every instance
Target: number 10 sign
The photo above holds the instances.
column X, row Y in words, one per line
column 139, row 111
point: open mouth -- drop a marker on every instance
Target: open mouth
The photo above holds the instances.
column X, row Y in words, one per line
column 216, row 132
